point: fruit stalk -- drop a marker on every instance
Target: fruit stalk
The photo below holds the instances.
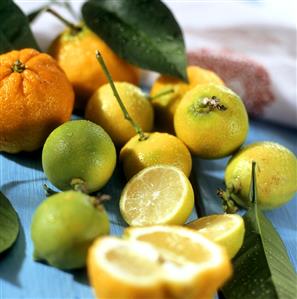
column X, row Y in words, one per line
column 74, row 28
column 127, row 116
column 161, row 94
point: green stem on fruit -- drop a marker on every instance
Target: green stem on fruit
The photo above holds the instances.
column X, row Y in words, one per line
column 79, row 185
column 74, row 28
column 18, row 66
column 161, row 94
column 229, row 205
column 48, row 190
column 127, row 116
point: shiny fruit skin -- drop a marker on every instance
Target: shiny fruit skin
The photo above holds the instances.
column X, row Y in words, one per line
column 79, row 150
column 33, row 101
column 158, row 148
column 104, row 110
column 276, row 174
column 211, row 134
column 75, row 53
column 166, row 105
column 64, row 226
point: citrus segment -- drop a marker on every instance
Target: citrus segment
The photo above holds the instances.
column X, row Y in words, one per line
column 159, row 194
column 226, row 230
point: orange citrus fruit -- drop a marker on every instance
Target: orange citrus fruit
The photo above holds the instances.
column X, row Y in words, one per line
column 211, row 120
column 35, row 97
column 75, row 53
column 158, row 148
column 104, row 110
column 157, row 262
column 166, row 105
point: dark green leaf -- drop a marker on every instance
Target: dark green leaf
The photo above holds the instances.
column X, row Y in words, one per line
column 143, row 32
column 15, row 32
column 262, row 268
column 9, row 224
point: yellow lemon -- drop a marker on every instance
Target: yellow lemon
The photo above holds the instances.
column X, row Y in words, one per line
column 226, row 230
column 159, row 194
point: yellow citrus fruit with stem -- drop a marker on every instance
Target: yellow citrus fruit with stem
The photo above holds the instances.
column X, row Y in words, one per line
column 103, row 109
column 79, row 153
column 226, row 230
column 75, row 50
column 165, row 106
column 158, row 148
column 211, row 120
column 35, row 98
column 147, row 149
column 276, row 173
column 158, row 194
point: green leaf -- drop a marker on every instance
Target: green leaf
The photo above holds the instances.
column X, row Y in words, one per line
column 143, row 32
column 9, row 224
column 262, row 268
column 15, row 32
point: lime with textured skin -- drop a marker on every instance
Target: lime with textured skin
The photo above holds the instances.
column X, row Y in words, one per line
column 79, row 150
column 276, row 170
column 211, row 120
column 64, row 226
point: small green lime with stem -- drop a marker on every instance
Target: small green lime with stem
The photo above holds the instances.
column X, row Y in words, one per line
column 63, row 227
column 79, row 155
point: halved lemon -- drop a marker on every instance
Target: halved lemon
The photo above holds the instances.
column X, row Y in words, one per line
column 189, row 266
column 158, row 194
column 195, row 266
column 226, row 230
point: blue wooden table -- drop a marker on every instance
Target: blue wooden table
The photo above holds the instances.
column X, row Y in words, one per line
column 21, row 180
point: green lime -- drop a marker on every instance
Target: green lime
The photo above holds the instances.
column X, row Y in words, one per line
column 79, row 152
column 64, row 226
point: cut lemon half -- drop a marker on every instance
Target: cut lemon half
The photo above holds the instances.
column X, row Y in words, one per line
column 184, row 265
column 159, row 194
column 197, row 266
column 226, row 230
column 121, row 269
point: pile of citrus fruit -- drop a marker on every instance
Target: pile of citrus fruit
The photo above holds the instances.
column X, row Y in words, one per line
column 158, row 257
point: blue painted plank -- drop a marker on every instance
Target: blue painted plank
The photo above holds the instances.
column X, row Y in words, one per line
column 21, row 180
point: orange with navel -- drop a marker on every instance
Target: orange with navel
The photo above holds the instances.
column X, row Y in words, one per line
column 35, row 97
